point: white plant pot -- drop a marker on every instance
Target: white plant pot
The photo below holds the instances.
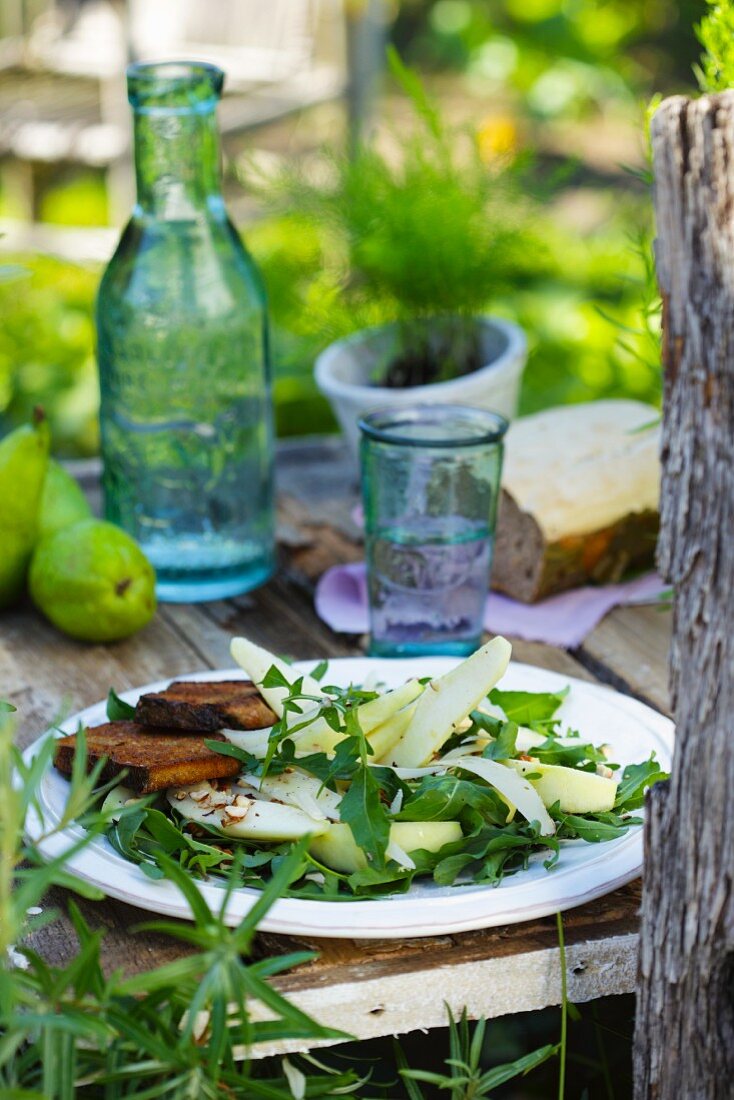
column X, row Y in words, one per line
column 344, row 370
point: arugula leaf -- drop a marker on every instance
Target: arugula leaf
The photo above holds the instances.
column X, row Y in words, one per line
column 389, row 782
column 117, row 709
column 583, row 757
column 274, row 678
column 226, row 748
column 251, row 764
column 445, row 797
column 484, row 723
column 320, row 671
column 489, row 853
column 342, row 765
column 462, row 737
column 636, row 778
column 528, row 708
column 363, row 811
column 502, row 747
column 372, row 882
column 593, row 828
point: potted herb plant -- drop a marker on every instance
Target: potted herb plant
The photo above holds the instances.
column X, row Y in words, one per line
column 420, row 237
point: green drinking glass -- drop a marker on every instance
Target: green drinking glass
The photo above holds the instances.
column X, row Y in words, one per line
column 430, row 485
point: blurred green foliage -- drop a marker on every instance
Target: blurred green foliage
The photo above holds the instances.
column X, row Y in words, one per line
column 561, row 56
column 425, row 225
column 47, row 349
column 526, row 74
column 79, row 199
column 591, row 318
column 593, row 288
column 716, row 34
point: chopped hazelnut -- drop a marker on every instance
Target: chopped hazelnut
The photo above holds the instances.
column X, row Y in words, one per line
column 236, row 812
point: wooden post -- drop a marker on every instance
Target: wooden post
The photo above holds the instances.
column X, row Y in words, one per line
column 684, row 1040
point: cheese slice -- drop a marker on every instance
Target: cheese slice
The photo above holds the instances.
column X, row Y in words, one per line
column 581, row 468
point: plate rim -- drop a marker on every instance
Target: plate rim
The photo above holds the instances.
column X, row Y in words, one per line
column 359, row 918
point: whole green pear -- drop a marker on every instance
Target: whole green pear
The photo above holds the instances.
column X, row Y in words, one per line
column 62, row 501
column 93, row 581
column 23, row 465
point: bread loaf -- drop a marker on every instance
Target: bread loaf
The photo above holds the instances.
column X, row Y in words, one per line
column 580, row 497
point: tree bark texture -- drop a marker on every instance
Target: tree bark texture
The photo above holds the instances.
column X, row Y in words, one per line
column 684, row 1041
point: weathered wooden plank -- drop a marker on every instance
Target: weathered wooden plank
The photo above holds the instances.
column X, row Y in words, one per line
column 547, row 656
column 629, row 650
column 378, row 987
column 348, row 960
column 395, row 1003
column 51, row 676
column 47, row 675
column 277, row 616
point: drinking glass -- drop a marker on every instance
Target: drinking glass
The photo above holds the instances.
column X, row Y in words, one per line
column 430, row 484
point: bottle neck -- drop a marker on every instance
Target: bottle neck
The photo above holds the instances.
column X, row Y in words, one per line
column 177, row 162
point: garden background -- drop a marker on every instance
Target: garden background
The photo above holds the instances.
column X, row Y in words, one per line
column 559, row 88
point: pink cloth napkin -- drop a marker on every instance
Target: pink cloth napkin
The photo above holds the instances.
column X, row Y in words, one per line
column 565, row 620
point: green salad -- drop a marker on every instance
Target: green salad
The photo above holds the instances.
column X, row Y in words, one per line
column 451, row 779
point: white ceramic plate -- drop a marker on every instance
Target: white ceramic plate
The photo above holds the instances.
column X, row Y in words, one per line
column 585, row 871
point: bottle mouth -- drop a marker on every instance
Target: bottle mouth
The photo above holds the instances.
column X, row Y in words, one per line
column 174, row 87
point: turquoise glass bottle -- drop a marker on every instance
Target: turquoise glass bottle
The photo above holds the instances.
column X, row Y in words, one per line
column 186, row 403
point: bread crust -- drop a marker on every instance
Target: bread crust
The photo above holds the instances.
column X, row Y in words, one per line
column 529, row 568
column 152, row 760
column 205, row 705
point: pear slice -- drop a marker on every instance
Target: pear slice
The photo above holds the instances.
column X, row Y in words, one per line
column 386, row 736
column 295, row 788
column 372, row 716
column 338, row 849
column 446, row 702
column 239, row 812
column 325, row 739
column 117, row 800
column 513, row 788
column 257, row 662
column 252, row 741
column 576, row 791
column 377, row 711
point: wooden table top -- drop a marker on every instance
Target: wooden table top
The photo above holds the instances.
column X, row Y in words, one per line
column 375, row 987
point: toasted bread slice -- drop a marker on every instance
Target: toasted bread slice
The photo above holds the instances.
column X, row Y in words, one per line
column 154, row 759
column 216, row 705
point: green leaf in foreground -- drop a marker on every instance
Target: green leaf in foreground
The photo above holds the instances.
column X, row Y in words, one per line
column 636, row 778
column 363, row 811
column 117, row 709
column 465, row 1076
